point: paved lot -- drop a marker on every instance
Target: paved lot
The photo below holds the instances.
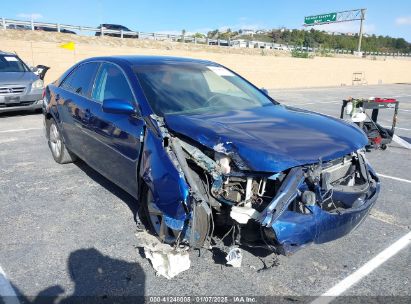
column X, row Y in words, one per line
column 66, row 230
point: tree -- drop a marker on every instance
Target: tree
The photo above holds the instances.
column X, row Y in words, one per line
column 315, row 38
column 199, row 35
column 401, row 44
column 275, row 35
column 212, row 34
column 183, row 33
column 228, row 34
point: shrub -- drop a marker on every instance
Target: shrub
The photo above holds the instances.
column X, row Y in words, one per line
column 300, row 54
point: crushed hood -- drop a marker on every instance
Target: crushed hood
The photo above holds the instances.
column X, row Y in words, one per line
column 272, row 138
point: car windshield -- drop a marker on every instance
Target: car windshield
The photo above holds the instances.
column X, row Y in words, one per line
column 10, row 63
column 181, row 88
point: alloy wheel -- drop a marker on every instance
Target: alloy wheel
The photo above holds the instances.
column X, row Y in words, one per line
column 55, row 140
column 157, row 220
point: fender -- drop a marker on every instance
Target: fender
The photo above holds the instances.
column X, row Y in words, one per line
column 163, row 176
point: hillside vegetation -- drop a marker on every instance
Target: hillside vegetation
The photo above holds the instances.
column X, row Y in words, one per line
column 320, row 39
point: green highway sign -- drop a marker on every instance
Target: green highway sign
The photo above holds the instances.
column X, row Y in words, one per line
column 324, row 18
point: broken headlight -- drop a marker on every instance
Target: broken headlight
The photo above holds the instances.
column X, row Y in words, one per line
column 223, row 161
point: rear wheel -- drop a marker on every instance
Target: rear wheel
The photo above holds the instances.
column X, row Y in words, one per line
column 156, row 220
column 57, row 147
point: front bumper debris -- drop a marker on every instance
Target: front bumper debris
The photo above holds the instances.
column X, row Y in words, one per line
column 290, row 230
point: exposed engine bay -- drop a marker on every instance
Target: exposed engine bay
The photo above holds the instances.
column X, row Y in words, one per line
column 280, row 211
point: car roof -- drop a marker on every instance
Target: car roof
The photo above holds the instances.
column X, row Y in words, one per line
column 113, row 25
column 7, row 53
column 142, row 59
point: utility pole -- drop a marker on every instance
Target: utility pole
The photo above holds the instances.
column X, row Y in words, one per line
column 361, row 25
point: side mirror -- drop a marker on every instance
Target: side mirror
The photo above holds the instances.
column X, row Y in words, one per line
column 265, row 91
column 34, row 69
column 118, row 106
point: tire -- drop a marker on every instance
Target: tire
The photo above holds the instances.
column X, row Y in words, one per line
column 154, row 219
column 56, row 144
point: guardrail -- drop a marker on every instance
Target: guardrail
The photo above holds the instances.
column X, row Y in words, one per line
column 235, row 43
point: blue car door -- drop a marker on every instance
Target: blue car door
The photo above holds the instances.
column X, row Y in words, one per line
column 114, row 148
column 73, row 103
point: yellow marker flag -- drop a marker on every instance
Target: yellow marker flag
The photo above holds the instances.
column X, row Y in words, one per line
column 69, row 46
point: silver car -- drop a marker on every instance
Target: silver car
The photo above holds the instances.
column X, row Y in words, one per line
column 20, row 88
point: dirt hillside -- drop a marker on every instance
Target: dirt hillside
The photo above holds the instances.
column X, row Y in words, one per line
column 265, row 68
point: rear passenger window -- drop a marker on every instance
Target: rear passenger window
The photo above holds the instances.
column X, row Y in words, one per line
column 111, row 83
column 81, row 80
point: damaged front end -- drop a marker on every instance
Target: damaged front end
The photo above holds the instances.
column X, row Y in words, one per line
column 281, row 211
column 320, row 203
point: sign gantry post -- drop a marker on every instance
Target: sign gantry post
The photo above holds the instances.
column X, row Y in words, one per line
column 360, row 36
column 343, row 16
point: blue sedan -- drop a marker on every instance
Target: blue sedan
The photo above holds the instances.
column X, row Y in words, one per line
column 202, row 150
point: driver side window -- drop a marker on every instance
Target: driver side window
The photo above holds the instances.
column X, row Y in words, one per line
column 111, row 83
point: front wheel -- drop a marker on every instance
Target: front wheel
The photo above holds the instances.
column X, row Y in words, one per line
column 57, row 147
column 155, row 219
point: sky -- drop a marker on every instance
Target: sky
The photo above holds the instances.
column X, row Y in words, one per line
column 383, row 17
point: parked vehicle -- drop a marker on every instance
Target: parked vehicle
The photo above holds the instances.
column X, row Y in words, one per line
column 203, row 149
column 115, row 27
column 53, row 29
column 20, row 88
column 18, row 27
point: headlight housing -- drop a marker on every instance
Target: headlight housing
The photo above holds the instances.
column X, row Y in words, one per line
column 38, row 84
